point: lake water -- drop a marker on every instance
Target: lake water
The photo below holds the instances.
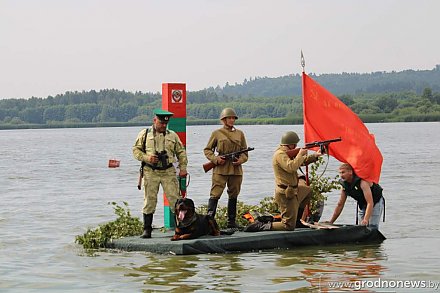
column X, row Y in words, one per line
column 55, row 183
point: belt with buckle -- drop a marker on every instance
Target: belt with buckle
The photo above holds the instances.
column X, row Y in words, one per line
column 282, row 186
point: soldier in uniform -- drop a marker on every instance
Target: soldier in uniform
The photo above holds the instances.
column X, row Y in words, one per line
column 158, row 148
column 224, row 140
column 291, row 194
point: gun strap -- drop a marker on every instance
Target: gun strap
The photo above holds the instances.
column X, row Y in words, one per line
column 225, row 133
column 144, row 147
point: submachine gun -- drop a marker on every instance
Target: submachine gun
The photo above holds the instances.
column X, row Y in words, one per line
column 231, row 156
column 322, row 144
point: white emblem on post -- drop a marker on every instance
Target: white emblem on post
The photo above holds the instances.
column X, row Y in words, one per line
column 177, row 96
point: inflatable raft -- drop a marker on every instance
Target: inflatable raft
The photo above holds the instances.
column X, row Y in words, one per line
column 247, row 241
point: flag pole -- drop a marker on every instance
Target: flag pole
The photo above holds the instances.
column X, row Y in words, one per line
column 303, row 61
column 303, row 65
column 306, row 212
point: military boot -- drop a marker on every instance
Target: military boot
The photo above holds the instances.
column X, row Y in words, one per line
column 148, row 220
column 258, row 226
column 212, row 207
column 232, row 213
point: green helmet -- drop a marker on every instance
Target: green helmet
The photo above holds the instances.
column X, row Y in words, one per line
column 289, row 137
column 228, row 112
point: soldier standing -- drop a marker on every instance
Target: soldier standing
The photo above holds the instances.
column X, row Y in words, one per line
column 158, row 148
column 224, row 140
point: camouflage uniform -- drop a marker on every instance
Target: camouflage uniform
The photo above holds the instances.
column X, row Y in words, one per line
column 291, row 194
column 157, row 142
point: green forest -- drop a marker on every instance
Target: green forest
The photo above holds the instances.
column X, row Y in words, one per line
column 376, row 97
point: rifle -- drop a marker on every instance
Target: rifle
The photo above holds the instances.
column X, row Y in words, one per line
column 141, row 176
column 141, row 170
column 231, row 156
column 323, row 144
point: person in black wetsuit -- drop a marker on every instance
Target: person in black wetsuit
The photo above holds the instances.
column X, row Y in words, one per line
column 367, row 194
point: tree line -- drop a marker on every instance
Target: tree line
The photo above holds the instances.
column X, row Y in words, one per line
column 339, row 84
column 405, row 103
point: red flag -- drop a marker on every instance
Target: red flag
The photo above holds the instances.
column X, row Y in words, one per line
column 326, row 117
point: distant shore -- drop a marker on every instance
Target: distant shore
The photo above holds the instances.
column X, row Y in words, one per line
column 373, row 118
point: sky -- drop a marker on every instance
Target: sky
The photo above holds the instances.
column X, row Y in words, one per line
column 48, row 47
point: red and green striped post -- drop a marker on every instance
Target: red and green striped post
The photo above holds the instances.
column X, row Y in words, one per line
column 174, row 100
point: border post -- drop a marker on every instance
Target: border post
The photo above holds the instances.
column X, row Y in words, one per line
column 174, row 100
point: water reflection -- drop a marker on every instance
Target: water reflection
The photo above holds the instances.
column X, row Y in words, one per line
column 302, row 270
column 342, row 267
column 168, row 273
column 189, row 273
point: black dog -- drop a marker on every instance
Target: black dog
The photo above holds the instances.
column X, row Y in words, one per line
column 189, row 224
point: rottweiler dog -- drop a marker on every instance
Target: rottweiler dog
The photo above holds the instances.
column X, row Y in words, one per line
column 189, row 224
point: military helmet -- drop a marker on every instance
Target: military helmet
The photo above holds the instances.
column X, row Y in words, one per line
column 228, row 112
column 289, row 137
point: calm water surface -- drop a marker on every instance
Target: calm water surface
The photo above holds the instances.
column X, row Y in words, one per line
column 54, row 184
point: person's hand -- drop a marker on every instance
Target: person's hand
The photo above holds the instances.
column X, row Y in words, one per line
column 236, row 162
column 153, row 159
column 364, row 222
column 182, row 173
column 318, row 153
column 302, row 152
column 220, row 161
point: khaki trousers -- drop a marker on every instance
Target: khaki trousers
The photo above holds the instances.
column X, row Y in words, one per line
column 152, row 179
column 289, row 207
column 219, row 183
